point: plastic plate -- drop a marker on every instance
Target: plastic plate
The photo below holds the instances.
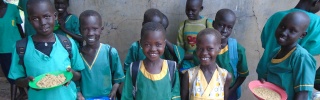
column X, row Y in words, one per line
column 68, row 75
column 257, row 83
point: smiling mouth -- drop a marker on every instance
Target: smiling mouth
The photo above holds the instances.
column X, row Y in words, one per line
column 60, row 9
column 91, row 39
column 205, row 58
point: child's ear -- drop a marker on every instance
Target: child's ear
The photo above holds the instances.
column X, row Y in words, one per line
column 315, row 3
column 55, row 16
column 303, row 35
column 102, row 28
column 201, row 8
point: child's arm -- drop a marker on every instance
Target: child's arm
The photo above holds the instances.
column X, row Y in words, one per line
column 238, row 82
column 242, row 68
column 76, row 29
column 304, row 70
column 227, row 85
column 176, row 88
column 302, row 95
column 117, row 72
column 185, row 86
column 113, row 93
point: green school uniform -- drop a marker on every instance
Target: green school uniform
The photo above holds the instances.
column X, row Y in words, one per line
column 97, row 78
column 311, row 42
column 72, row 25
column 135, row 53
column 223, row 60
column 294, row 72
column 28, row 28
column 37, row 63
column 9, row 32
column 152, row 86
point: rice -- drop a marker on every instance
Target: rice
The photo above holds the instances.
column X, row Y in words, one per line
column 266, row 94
column 51, row 80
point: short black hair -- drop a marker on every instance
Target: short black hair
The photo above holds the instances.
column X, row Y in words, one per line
column 152, row 26
column 88, row 13
column 165, row 21
column 209, row 31
column 150, row 13
column 223, row 12
column 31, row 3
column 197, row 1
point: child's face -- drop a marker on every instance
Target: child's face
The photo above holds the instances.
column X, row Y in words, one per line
column 91, row 28
column 193, row 8
column 224, row 26
column 61, row 5
column 288, row 32
column 207, row 50
column 42, row 17
column 153, row 44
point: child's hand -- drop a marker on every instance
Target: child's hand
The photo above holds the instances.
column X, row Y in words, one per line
column 112, row 95
column 28, row 79
column 80, row 96
column 262, row 80
column 72, row 71
column 61, row 23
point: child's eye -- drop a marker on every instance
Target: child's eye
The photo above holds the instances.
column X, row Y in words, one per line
column 35, row 19
column 46, row 17
column 147, row 45
column 158, row 45
column 210, row 49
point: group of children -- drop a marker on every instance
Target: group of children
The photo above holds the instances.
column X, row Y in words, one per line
column 206, row 64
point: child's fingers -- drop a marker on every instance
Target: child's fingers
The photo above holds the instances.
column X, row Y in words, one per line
column 30, row 78
column 67, row 83
column 262, row 80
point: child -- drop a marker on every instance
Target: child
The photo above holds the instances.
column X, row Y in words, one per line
column 207, row 81
column 189, row 29
column 311, row 42
column 28, row 28
column 103, row 72
column 44, row 53
column 232, row 56
column 69, row 24
column 10, row 32
column 152, row 78
column 291, row 67
column 172, row 52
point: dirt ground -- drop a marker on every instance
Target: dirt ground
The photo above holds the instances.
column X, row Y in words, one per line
column 4, row 89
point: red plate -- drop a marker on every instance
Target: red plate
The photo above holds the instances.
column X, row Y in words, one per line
column 257, row 83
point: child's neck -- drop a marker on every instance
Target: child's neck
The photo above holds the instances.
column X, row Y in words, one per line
column 44, row 38
column 284, row 51
column 302, row 5
column 94, row 46
column 210, row 68
column 153, row 67
column 224, row 43
column 198, row 18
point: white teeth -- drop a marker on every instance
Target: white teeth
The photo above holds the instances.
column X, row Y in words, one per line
column 60, row 9
column 204, row 58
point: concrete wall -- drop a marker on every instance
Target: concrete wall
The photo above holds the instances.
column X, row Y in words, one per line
column 123, row 18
